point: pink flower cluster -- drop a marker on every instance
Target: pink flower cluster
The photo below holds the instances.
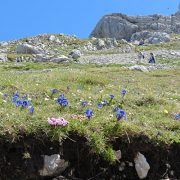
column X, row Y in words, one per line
column 57, row 122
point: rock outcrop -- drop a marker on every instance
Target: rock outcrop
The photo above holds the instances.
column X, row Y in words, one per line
column 121, row 26
column 75, row 54
column 3, row 57
column 151, row 37
column 25, row 48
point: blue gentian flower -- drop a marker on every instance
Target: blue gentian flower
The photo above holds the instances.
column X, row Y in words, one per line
column 15, row 96
column 5, row 96
column 99, row 105
column 62, row 96
column 18, row 103
column 177, row 116
column 88, row 113
column 62, row 101
column 22, row 103
column 84, row 103
column 54, row 90
column 111, row 96
column 31, row 109
column 116, row 109
column 121, row 114
column 25, row 103
column 123, row 92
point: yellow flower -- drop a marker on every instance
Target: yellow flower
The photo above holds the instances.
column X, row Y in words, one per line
column 165, row 111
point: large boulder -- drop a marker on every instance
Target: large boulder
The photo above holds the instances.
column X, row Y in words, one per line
column 25, row 48
column 114, row 26
column 3, row 57
column 122, row 26
column 75, row 54
column 100, row 44
column 151, row 37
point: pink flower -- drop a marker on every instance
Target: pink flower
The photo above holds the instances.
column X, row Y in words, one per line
column 57, row 122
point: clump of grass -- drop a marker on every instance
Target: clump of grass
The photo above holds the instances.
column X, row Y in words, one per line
column 149, row 100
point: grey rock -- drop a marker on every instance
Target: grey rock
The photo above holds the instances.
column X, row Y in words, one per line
column 114, row 26
column 111, row 43
column 139, row 68
column 159, row 37
column 122, row 26
column 122, row 166
column 118, row 154
column 4, row 43
column 25, row 48
column 52, row 38
column 53, row 165
column 100, row 44
column 42, row 58
column 60, row 59
column 141, row 165
column 128, row 48
column 3, row 57
column 123, row 41
column 75, row 54
column 89, row 47
column 151, row 37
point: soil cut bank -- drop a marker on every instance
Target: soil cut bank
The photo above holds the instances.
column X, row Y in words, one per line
column 85, row 164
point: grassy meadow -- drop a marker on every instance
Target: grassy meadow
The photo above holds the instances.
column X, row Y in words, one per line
column 151, row 102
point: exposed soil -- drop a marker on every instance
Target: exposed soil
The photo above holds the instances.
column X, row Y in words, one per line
column 84, row 164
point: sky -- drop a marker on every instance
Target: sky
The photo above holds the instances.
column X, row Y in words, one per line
column 25, row 18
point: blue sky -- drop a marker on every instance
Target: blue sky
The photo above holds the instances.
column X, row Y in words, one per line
column 24, row 18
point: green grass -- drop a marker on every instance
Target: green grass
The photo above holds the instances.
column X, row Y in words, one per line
column 173, row 45
column 148, row 96
column 175, row 62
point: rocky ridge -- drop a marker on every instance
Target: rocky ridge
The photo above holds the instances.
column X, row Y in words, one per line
column 62, row 48
column 121, row 26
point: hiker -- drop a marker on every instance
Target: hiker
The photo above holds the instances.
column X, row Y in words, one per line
column 141, row 42
column 140, row 57
column 152, row 58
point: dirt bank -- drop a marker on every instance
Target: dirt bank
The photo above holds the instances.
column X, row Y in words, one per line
column 22, row 159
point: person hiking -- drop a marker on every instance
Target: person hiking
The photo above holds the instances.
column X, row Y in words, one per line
column 141, row 42
column 152, row 58
column 140, row 57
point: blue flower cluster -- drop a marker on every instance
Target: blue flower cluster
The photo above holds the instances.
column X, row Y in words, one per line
column 120, row 114
column 62, row 101
column 105, row 102
column 88, row 113
column 177, row 116
column 23, row 103
column 111, row 96
column 123, row 92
